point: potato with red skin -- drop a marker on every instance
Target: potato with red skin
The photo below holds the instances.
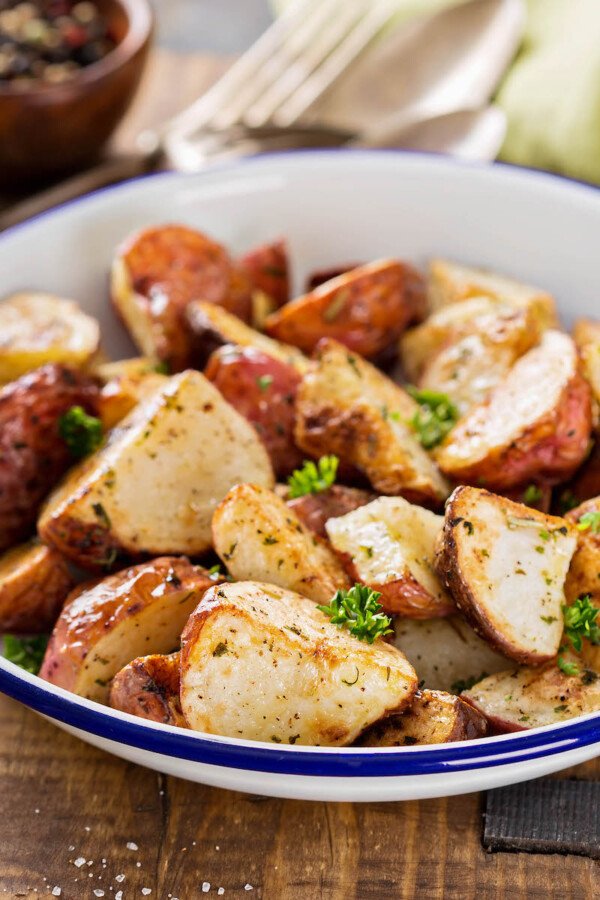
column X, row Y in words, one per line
column 365, row 309
column 148, row 687
column 535, row 425
column 157, row 272
column 267, row 268
column 314, row 510
column 584, row 485
column 584, row 570
column 106, row 624
column 34, row 583
column 263, row 390
column 434, row 717
column 33, row 456
column 320, row 276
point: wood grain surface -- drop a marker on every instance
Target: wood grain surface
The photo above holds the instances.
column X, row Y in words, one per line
column 62, row 801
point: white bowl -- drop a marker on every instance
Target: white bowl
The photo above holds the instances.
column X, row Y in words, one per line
column 333, row 207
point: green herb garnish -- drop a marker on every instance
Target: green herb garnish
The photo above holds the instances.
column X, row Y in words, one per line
column 81, row 433
column 590, row 521
column 580, row 622
column 532, row 494
column 358, row 610
column 313, row 478
column 264, row 382
column 435, row 418
column 568, row 668
column 457, row 687
column 28, row 653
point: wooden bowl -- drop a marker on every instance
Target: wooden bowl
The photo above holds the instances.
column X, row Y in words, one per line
column 50, row 130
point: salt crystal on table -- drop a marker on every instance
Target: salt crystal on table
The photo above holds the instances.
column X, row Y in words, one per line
column 205, row 887
column 79, row 862
column 146, row 891
column 221, row 891
column 98, row 893
column 56, row 891
column 248, row 887
column 132, row 846
column 119, row 895
column 120, row 878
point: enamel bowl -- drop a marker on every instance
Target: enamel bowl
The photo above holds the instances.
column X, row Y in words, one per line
column 332, row 206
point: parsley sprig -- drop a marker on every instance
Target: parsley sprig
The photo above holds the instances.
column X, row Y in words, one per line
column 81, row 433
column 435, row 418
column 313, row 478
column 358, row 610
column 590, row 521
column 580, row 624
column 28, row 653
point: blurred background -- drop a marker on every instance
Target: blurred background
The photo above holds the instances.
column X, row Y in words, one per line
column 217, row 26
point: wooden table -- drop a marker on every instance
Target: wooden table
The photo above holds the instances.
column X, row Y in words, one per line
column 62, row 801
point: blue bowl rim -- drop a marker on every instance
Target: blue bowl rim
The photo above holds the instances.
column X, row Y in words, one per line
column 169, row 741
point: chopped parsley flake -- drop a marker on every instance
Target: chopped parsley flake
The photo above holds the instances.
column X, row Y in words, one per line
column 81, row 433
column 590, row 521
column 358, row 610
column 313, row 478
column 28, row 653
column 435, row 418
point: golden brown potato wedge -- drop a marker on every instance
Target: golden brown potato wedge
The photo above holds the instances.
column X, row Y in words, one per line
column 265, row 664
column 389, row 545
column 450, row 282
column 125, row 384
column 33, row 455
column 214, row 327
column 153, row 488
column 263, row 389
column 535, row 426
column 366, row 310
column 104, row 626
column 433, row 717
column 38, row 329
column 149, row 687
column 584, row 572
column 447, row 653
column 586, row 334
column 267, row 268
column 345, row 406
column 34, row 583
column 260, row 539
column 505, row 565
column 157, row 272
column 314, row 510
column 529, row 697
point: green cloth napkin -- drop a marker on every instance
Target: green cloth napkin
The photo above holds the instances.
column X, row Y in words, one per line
column 551, row 93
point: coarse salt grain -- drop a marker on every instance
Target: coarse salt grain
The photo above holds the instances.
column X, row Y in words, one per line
column 132, row 846
column 119, row 895
column 71, row 848
column 120, row 878
column 146, row 891
column 138, row 864
column 248, row 887
column 79, row 862
column 56, row 891
column 221, row 891
column 98, row 892
column 87, row 828
column 205, row 887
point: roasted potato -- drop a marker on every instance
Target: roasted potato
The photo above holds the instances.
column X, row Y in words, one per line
column 154, row 486
column 34, row 583
column 529, row 697
column 389, row 545
column 450, row 282
column 263, row 389
column 264, row 664
column 535, row 426
column 40, row 328
column 447, row 653
column 584, row 572
column 214, row 327
column 102, row 627
column 149, row 687
column 584, row 485
column 586, row 334
column 365, row 309
column 267, row 268
column 505, row 564
column 469, row 367
column 314, row 510
column 433, row 717
column 345, row 406
column 157, row 272
column 126, row 383
column 260, row 539
column 33, row 455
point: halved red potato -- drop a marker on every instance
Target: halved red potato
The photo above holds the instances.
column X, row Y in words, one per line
column 33, row 455
column 365, row 309
column 265, row 664
column 314, row 510
column 433, row 717
column 535, row 426
column 530, row 697
column 149, row 687
column 34, row 583
column 345, row 406
column 126, row 383
column 263, row 389
column 103, row 626
column 157, row 272
column 450, row 282
column 505, row 564
column 154, row 486
column 214, row 327
column 260, row 539
column 447, row 653
column 37, row 329
column 268, row 270
column 389, row 545
column 584, row 485
column 584, row 571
